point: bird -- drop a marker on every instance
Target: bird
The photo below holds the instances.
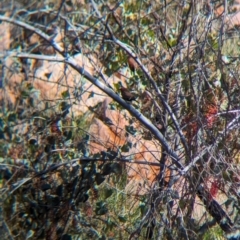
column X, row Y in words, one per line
column 127, row 95
column 132, row 64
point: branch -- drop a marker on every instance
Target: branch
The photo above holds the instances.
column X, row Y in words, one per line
column 215, row 210
column 157, row 89
column 31, row 56
column 219, row 138
column 127, row 49
column 56, row 166
column 72, row 62
column 139, row 116
column 40, row 33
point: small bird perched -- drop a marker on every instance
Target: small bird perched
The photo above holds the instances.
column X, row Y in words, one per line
column 132, row 64
column 127, row 95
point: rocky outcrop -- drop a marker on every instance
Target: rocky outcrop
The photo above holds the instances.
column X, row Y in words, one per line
column 53, row 82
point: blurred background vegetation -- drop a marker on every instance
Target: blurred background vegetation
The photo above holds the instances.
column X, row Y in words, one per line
column 53, row 187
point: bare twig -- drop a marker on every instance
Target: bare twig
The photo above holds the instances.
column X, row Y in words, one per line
column 72, row 62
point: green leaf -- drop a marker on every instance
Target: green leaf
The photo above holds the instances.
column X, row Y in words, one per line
column 64, row 106
column 173, row 42
column 103, row 155
column 17, row 139
column 126, row 147
column 122, row 218
column 1, row 123
column 108, row 193
column 145, row 21
column 108, row 72
column 65, row 94
column 99, row 178
column 101, row 208
column 103, row 237
column 116, row 168
column 117, row 86
column 115, row 66
column 8, row 133
column 130, row 32
column 151, row 33
column 112, row 106
column 131, row 130
column 91, row 95
column 68, row 135
column 86, row 138
column 107, row 169
column 143, row 208
column 110, row 224
column 96, row 155
column 30, row 234
column 12, row 117
column 83, row 197
column 1, row 134
column 112, row 154
column 66, row 237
